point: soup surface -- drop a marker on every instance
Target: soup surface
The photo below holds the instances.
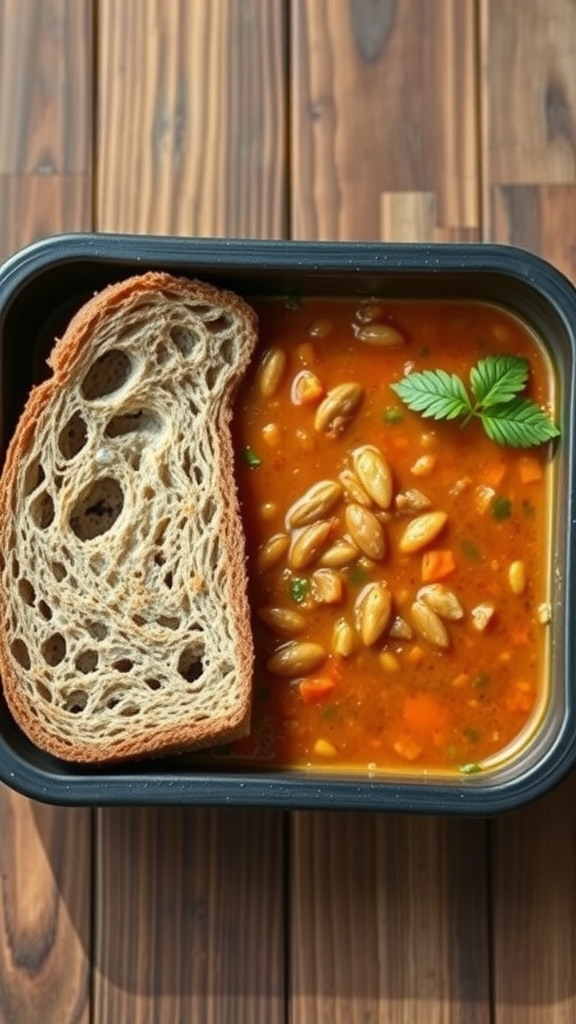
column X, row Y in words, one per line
column 398, row 565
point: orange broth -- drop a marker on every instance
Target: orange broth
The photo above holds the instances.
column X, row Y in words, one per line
column 399, row 703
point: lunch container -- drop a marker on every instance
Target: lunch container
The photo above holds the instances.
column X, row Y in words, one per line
column 42, row 286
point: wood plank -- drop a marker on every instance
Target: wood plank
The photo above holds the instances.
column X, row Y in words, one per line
column 529, row 142
column 386, row 924
column 45, row 153
column 206, row 148
column 414, row 128
column 204, row 151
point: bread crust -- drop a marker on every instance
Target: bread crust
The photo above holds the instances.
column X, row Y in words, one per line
column 34, row 692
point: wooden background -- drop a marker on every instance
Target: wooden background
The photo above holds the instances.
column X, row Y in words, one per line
column 372, row 119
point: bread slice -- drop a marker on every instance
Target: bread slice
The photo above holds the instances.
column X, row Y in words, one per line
column 125, row 627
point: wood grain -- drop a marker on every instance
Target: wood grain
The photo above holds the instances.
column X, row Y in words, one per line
column 192, row 104
column 190, row 921
column 190, row 917
column 45, row 187
column 387, row 925
column 383, row 101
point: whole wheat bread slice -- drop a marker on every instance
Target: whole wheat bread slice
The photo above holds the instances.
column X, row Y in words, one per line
column 124, row 622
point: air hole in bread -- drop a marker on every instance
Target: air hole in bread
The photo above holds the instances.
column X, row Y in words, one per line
column 220, row 323
column 138, row 620
column 227, row 350
column 73, row 436
column 183, row 338
column 45, row 610
column 159, row 559
column 168, row 621
column 34, row 476
column 59, row 571
column 97, row 509
column 190, row 663
column 140, row 421
column 27, row 592
column 134, row 458
column 21, row 653
column 107, row 374
column 53, row 649
column 76, row 702
column 162, row 354
column 86, row 661
column 130, row 711
column 99, row 630
column 42, row 510
column 44, row 692
column 15, row 566
column 212, row 376
column 165, row 476
column 160, row 531
column 197, row 474
column 153, row 684
column 169, row 580
column 148, row 493
column 201, row 310
column 123, row 665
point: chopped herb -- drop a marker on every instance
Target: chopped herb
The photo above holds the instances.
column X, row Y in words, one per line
column 528, row 508
column 481, row 679
column 501, row 508
column 472, row 734
column 293, row 301
column 299, row 587
column 251, row 459
column 496, row 382
column 358, row 575
column 329, row 713
column 392, row 414
column 472, row 768
column 470, row 551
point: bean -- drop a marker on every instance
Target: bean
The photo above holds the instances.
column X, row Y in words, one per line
column 400, row 629
column 481, row 616
column 298, row 658
column 365, row 530
column 271, row 371
column 424, row 466
column 369, row 311
column 374, row 474
column 422, row 531
column 442, row 601
column 272, row 552
column 342, row 639
column 373, row 608
column 428, row 625
column 308, row 543
column 285, row 621
column 338, row 407
column 412, row 500
column 315, row 504
column 380, row 334
column 353, row 487
column 342, row 553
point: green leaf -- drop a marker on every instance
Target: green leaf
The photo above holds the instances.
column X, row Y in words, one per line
column 497, row 379
column 434, row 393
column 251, row 459
column 519, row 423
column 472, row 768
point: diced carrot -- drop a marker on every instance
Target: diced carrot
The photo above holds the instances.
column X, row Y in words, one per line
column 462, row 679
column 519, row 697
column 316, row 689
column 323, row 748
column 415, row 655
column 530, row 469
column 406, row 747
column 306, row 388
column 437, row 564
column 493, row 474
column 423, row 713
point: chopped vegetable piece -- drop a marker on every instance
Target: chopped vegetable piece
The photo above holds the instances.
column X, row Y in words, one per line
column 306, row 388
column 316, row 689
column 251, row 459
column 424, row 713
column 501, row 509
column 406, row 747
column 437, row 564
column 493, row 474
column 530, row 470
column 470, row 551
column 299, row 587
column 323, row 748
column 472, row 768
column 392, row 414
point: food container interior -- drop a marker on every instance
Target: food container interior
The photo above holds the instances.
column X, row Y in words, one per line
column 41, row 289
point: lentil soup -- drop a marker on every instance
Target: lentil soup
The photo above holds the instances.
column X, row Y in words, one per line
column 398, row 565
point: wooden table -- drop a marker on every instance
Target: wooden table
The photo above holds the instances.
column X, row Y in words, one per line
column 363, row 119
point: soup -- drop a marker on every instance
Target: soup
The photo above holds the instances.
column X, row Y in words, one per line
column 398, row 565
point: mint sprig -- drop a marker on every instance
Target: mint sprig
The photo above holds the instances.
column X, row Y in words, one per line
column 496, row 382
